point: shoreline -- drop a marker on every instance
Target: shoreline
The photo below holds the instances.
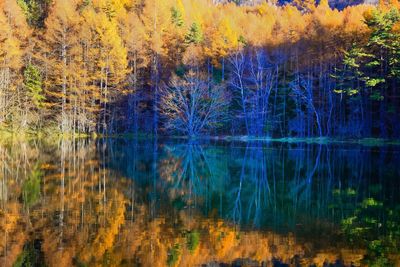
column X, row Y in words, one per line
column 10, row 135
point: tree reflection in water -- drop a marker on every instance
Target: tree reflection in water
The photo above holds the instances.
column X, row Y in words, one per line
column 117, row 202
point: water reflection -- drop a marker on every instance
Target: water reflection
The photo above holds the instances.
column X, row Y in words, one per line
column 117, row 202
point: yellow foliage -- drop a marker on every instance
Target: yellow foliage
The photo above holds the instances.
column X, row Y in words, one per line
column 157, row 21
column 10, row 47
column 180, row 7
column 221, row 40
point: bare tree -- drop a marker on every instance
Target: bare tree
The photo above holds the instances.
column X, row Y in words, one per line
column 238, row 66
column 254, row 77
column 302, row 89
column 192, row 105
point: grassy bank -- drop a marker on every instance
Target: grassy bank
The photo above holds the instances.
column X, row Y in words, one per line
column 53, row 134
column 47, row 134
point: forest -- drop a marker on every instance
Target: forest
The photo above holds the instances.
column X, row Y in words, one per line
column 200, row 68
column 199, row 133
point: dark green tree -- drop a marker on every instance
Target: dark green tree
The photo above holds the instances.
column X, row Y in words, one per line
column 35, row 11
column 33, row 84
column 195, row 35
column 372, row 67
column 376, row 63
column 176, row 17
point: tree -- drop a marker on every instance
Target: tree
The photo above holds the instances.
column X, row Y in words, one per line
column 109, row 58
column 134, row 37
column 220, row 42
column 35, row 11
column 156, row 16
column 178, row 14
column 302, row 88
column 88, row 62
column 34, row 85
column 61, row 42
column 13, row 36
column 100, row 63
column 237, row 81
column 195, row 34
column 192, row 105
column 373, row 67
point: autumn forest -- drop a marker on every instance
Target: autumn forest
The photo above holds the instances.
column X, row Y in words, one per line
column 199, row 133
column 186, row 67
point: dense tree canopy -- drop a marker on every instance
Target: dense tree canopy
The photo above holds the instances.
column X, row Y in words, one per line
column 298, row 69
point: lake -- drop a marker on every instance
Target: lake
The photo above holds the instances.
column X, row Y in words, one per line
column 171, row 202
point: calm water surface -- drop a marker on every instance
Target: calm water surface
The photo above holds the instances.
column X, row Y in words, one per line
column 119, row 202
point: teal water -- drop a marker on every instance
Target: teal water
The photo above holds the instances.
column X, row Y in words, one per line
column 137, row 202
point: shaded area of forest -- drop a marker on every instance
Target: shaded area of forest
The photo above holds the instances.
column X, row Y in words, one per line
column 139, row 203
column 185, row 67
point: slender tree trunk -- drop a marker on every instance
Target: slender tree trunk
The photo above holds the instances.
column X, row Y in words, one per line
column 64, row 85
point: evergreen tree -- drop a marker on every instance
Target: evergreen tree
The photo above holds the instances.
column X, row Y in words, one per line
column 195, row 35
column 377, row 62
column 33, row 84
column 35, row 11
